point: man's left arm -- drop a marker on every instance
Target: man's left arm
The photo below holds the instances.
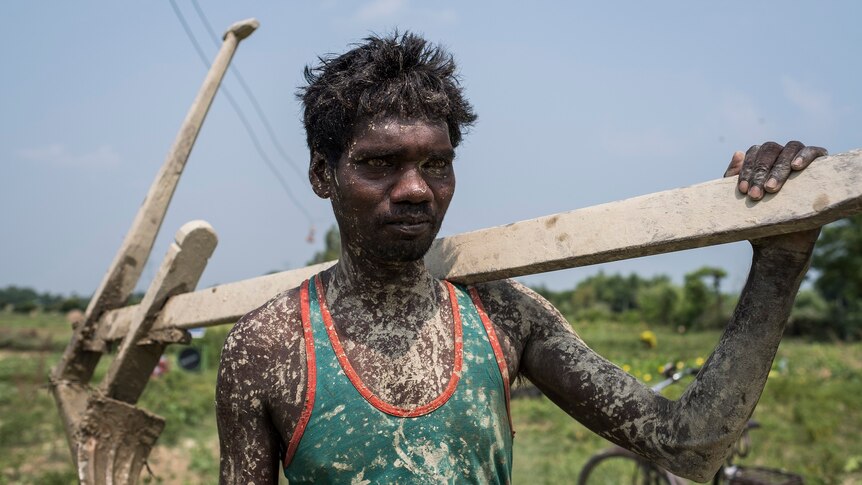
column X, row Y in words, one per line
column 692, row 435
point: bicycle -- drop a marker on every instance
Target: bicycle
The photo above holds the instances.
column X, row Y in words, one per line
column 617, row 465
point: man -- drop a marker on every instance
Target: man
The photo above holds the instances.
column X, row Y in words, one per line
column 375, row 372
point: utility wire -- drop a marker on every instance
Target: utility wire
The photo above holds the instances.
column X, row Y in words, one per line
column 251, row 96
column 254, row 139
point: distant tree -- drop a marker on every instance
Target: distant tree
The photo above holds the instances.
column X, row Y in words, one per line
column 26, row 306
column 618, row 292
column 15, row 296
column 838, row 260
column 25, row 300
column 658, row 302
column 810, row 317
column 331, row 249
column 73, row 302
column 135, row 298
column 702, row 306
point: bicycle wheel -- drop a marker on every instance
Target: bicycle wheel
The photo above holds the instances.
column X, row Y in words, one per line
column 618, row 466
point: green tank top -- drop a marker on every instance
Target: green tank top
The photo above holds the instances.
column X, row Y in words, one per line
column 348, row 435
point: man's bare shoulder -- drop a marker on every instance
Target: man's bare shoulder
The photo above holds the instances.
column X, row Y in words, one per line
column 257, row 407
column 266, row 348
column 511, row 304
column 516, row 313
column 269, row 326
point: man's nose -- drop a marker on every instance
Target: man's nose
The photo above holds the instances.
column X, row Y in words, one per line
column 411, row 187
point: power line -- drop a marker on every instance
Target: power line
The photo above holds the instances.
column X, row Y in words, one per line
column 254, row 139
column 235, row 70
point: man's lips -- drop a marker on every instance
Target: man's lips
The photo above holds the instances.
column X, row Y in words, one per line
column 408, row 220
column 409, row 225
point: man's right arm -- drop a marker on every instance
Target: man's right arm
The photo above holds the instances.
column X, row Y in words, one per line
column 262, row 360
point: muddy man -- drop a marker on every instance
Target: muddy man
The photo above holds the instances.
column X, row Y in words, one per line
column 373, row 371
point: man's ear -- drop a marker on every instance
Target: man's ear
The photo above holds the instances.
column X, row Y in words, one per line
column 320, row 176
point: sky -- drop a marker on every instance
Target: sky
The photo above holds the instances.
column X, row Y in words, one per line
column 579, row 104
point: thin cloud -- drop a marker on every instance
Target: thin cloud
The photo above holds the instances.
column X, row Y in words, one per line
column 379, row 10
column 57, row 154
column 742, row 116
column 399, row 11
column 653, row 141
column 808, row 100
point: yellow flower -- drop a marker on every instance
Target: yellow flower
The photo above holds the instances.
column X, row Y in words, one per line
column 660, row 369
column 627, row 367
column 772, row 374
column 649, row 339
column 699, row 361
column 680, row 365
column 647, row 377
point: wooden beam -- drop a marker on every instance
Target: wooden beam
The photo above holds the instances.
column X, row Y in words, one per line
column 213, row 306
column 691, row 217
column 701, row 215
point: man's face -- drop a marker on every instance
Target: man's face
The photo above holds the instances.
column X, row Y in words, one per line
column 391, row 188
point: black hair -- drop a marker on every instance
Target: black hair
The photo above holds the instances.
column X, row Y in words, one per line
column 401, row 75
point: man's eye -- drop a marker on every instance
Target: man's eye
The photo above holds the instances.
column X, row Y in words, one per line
column 437, row 166
column 378, row 163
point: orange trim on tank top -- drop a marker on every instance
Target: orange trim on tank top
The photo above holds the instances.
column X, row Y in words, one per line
column 367, row 393
column 498, row 350
column 311, row 370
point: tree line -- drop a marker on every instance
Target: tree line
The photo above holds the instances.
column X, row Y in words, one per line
column 26, row 300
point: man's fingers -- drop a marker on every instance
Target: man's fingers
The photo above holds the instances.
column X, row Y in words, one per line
column 806, row 156
column 747, row 168
column 781, row 169
column 766, row 156
column 735, row 164
column 765, row 168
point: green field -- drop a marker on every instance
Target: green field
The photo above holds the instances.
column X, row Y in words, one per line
column 811, row 411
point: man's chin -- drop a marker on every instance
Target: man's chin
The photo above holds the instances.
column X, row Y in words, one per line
column 404, row 251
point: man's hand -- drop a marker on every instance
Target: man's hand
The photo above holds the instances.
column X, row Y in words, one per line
column 767, row 166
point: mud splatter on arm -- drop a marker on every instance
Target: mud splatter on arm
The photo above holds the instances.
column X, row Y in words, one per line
column 260, row 391
column 690, row 436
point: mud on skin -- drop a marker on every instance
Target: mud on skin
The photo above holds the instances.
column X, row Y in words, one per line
column 261, row 402
column 395, row 322
column 389, row 114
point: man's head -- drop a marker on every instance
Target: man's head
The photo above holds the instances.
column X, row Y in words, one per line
column 382, row 122
column 396, row 75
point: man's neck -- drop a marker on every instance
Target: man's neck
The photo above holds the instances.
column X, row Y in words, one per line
column 384, row 288
column 367, row 274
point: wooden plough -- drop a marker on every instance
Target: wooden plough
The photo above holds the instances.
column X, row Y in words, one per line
column 110, row 438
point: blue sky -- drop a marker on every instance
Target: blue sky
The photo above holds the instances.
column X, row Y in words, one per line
column 578, row 103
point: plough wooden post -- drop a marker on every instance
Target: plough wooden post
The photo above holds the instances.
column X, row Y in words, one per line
column 115, row 437
column 79, row 407
column 110, row 438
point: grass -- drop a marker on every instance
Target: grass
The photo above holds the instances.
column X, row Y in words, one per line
column 811, row 410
